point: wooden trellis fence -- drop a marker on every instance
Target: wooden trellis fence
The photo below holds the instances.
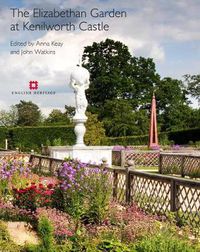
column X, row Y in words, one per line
column 140, row 158
column 180, row 164
column 154, row 193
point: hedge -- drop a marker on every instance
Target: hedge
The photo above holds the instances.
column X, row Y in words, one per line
column 177, row 137
column 185, row 136
column 27, row 138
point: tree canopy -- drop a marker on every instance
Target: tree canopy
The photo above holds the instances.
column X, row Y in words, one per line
column 29, row 113
column 121, row 88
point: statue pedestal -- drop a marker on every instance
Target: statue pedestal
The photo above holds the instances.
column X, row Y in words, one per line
column 86, row 154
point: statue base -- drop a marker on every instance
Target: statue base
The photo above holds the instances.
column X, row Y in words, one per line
column 86, row 154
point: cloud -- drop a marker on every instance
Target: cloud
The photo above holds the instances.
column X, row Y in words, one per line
column 149, row 26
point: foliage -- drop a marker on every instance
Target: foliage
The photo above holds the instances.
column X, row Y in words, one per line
column 165, row 138
column 33, row 196
column 113, row 246
column 98, row 191
column 8, row 212
column 85, row 191
column 184, row 136
column 3, row 135
column 164, row 242
column 71, row 175
column 62, row 223
column 9, row 118
column 193, row 82
column 29, row 114
column 95, row 132
column 109, row 65
column 27, row 138
column 57, row 117
column 10, row 172
column 45, row 230
column 69, row 111
column 5, row 241
column 118, row 118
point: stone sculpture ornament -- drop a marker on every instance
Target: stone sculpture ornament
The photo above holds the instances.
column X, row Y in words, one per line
column 79, row 81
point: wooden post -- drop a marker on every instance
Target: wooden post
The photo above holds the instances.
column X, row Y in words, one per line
column 182, row 166
column 50, row 166
column 115, row 184
column 123, row 158
column 174, row 204
column 160, row 163
column 130, row 167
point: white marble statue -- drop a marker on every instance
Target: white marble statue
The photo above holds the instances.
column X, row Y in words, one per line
column 79, row 81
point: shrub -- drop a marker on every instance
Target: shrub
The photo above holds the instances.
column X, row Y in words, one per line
column 8, row 212
column 10, row 172
column 45, row 230
column 62, row 223
column 98, row 189
column 113, row 246
column 5, row 242
column 33, row 196
column 27, row 138
column 85, row 191
column 164, row 243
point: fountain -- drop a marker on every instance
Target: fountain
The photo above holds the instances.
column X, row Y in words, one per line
column 79, row 81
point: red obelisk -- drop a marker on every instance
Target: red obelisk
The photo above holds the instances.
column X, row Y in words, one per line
column 153, row 132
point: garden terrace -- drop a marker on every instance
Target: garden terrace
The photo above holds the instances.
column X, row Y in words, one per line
column 154, row 193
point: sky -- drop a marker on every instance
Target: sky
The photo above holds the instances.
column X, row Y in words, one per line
column 167, row 31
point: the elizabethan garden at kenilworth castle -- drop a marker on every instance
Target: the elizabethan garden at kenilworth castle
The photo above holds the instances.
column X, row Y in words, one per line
column 118, row 172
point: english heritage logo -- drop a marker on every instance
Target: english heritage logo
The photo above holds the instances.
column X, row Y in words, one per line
column 33, row 86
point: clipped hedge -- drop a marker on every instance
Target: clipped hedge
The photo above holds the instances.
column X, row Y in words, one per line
column 185, row 136
column 128, row 140
column 27, row 138
column 178, row 137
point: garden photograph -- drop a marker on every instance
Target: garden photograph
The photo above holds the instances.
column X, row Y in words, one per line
column 99, row 126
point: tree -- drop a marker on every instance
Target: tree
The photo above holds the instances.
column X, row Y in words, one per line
column 171, row 102
column 193, row 82
column 29, row 114
column 109, row 66
column 70, row 111
column 56, row 117
column 115, row 74
column 9, row 118
column 120, row 119
column 95, row 132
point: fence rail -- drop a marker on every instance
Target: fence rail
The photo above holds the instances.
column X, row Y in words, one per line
column 180, row 164
column 159, row 194
column 44, row 164
column 140, row 158
column 154, row 193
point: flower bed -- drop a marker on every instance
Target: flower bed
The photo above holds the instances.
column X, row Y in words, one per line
column 74, row 211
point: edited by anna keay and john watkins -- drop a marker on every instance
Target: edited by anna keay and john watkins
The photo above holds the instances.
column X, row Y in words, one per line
column 83, row 25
